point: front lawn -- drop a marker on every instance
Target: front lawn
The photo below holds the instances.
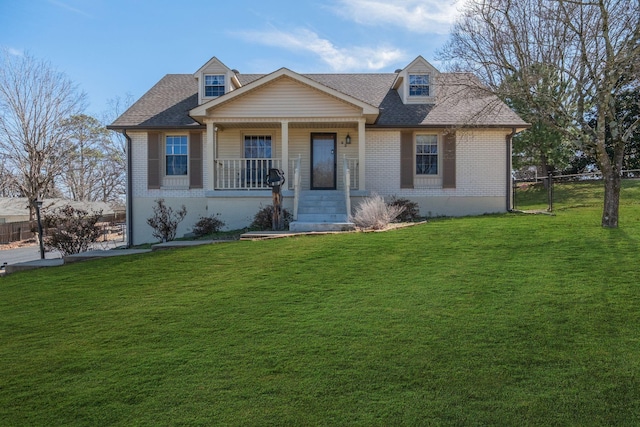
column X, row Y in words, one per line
column 493, row 320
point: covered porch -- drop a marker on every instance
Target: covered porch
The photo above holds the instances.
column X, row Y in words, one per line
column 239, row 154
column 315, row 156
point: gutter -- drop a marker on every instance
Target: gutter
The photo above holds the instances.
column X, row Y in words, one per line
column 129, row 190
column 509, row 161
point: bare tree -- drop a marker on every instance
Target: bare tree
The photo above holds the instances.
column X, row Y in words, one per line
column 113, row 179
column 86, row 157
column 589, row 47
column 34, row 99
column 8, row 186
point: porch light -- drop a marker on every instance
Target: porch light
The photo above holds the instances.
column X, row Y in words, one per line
column 347, row 140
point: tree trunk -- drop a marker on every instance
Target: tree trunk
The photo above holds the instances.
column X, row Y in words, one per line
column 544, row 165
column 612, row 184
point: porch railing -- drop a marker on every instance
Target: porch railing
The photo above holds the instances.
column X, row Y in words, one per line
column 297, row 183
column 252, row 173
column 291, row 179
column 347, row 188
column 244, row 173
column 352, row 165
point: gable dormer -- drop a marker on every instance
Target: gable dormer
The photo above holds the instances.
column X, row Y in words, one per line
column 214, row 80
column 417, row 82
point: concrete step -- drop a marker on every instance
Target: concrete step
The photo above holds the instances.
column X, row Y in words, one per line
column 329, row 203
column 322, row 210
column 322, row 217
column 298, row 226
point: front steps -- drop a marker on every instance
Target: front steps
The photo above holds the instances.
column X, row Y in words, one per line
column 322, row 210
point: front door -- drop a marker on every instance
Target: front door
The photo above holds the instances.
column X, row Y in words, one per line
column 323, row 161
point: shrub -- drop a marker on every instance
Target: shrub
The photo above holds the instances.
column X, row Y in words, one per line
column 263, row 219
column 70, row 230
column 207, row 225
column 410, row 212
column 165, row 221
column 374, row 214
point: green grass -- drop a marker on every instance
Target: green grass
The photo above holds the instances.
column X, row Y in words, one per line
column 493, row 320
column 567, row 195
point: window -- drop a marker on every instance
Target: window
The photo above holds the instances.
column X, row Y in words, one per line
column 214, row 85
column 257, row 146
column 256, row 149
column 426, row 154
column 176, row 154
column 418, row 85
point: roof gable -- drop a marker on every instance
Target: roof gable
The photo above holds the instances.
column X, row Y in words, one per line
column 418, row 66
column 257, row 85
column 212, row 65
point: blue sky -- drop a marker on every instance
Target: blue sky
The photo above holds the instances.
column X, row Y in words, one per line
column 114, row 47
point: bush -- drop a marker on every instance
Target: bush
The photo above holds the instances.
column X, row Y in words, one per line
column 374, row 214
column 70, row 230
column 263, row 219
column 410, row 212
column 207, row 225
column 165, row 221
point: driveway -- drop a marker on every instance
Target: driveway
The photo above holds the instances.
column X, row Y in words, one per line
column 24, row 254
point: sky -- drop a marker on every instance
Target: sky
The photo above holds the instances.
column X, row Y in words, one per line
column 111, row 48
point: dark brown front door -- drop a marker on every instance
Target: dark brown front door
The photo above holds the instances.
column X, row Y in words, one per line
column 323, row 161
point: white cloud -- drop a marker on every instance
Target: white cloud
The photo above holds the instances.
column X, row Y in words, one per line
column 419, row 16
column 69, row 8
column 14, row 52
column 339, row 59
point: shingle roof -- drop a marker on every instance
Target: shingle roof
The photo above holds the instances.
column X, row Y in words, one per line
column 166, row 104
column 461, row 100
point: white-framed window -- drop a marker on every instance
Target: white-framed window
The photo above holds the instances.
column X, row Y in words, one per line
column 257, row 149
column 257, row 146
column 419, row 85
column 427, row 157
column 214, row 85
column 176, row 152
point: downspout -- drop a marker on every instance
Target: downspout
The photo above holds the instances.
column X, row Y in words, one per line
column 129, row 191
column 509, row 177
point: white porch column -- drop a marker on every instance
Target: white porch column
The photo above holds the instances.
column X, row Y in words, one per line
column 211, row 150
column 361, row 155
column 285, row 150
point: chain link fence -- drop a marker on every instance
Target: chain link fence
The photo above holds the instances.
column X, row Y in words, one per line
column 544, row 194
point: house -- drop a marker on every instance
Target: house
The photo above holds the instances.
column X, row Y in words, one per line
column 207, row 141
column 13, row 209
column 16, row 209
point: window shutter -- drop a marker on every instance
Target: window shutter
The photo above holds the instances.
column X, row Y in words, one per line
column 406, row 160
column 449, row 161
column 195, row 160
column 153, row 160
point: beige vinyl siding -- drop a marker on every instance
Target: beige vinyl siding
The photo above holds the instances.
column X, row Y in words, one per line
column 420, row 68
column 215, row 67
column 285, row 98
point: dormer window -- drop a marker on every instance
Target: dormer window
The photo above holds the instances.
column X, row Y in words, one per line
column 214, row 85
column 418, row 84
